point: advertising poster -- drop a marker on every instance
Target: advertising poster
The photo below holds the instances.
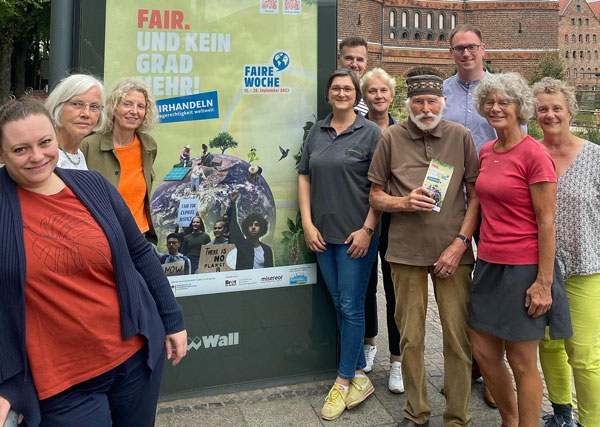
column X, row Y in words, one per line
column 236, row 87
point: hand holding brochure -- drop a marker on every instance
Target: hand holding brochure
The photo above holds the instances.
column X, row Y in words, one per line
column 437, row 181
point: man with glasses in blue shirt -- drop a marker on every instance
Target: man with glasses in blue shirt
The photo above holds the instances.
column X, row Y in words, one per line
column 467, row 49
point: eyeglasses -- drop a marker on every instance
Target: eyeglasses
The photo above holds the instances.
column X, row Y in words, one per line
column 80, row 105
column 337, row 89
column 128, row 105
column 503, row 103
column 471, row 48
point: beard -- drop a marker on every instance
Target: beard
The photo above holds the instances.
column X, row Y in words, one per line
column 437, row 118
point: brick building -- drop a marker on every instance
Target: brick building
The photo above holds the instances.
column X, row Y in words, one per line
column 579, row 43
column 411, row 36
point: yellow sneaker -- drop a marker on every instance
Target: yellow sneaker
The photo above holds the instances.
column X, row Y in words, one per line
column 335, row 402
column 360, row 389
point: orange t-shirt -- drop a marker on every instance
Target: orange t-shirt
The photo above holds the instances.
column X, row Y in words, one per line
column 73, row 324
column 132, row 184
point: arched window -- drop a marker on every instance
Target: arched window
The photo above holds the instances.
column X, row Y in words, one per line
column 572, row 21
column 582, row 73
column 589, row 73
column 578, row 8
column 567, row 73
column 594, row 87
column 574, row 73
column 405, row 35
column 567, row 54
column 429, row 21
column 404, row 18
column 580, row 38
column 588, row 55
column 578, row 87
column 586, row 87
column 417, row 20
column 392, row 19
column 579, row 21
column 566, row 38
column 417, row 36
column 441, row 21
column 392, row 34
column 453, row 21
column 587, row 38
column 573, row 38
column 581, row 54
column 574, row 55
column 442, row 38
column 430, row 37
column 587, row 21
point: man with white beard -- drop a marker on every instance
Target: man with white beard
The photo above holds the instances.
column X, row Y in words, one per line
column 425, row 242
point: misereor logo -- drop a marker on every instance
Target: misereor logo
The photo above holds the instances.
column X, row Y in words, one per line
column 213, row 341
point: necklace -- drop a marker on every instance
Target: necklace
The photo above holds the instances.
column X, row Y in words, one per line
column 68, row 156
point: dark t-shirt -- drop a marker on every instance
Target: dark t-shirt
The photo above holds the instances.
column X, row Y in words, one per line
column 338, row 167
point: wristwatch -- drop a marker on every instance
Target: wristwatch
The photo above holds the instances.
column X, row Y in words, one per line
column 464, row 239
column 369, row 230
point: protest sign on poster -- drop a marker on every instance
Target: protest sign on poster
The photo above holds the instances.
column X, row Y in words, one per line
column 236, row 81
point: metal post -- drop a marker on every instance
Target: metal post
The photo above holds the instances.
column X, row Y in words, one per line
column 61, row 40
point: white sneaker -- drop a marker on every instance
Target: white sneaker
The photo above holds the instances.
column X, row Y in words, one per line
column 395, row 383
column 370, row 352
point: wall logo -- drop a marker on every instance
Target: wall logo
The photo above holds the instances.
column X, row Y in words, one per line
column 232, row 282
column 260, row 79
column 213, row 341
column 270, row 279
column 298, row 279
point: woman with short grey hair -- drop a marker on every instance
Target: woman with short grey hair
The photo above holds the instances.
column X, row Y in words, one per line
column 578, row 253
column 75, row 105
column 517, row 289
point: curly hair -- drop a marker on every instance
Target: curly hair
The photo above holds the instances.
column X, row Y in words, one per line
column 514, row 86
column 550, row 86
column 73, row 85
column 117, row 95
column 262, row 223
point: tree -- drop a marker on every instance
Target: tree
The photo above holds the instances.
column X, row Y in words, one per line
column 18, row 25
column 549, row 66
column 223, row 141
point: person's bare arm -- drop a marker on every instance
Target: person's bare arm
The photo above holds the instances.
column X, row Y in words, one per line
column 417, row 200
column 539, row 296
column 312, row 236
column 448, row 261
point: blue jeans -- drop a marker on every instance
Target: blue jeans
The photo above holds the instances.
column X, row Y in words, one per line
column 346, row 279
column 124, row 396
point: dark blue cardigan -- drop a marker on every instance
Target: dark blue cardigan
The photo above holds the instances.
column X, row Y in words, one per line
column 146, row 303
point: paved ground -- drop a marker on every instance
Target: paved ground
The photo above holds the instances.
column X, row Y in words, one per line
column 300, row 405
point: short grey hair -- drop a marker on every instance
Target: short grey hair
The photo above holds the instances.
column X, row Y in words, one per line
column 514, row 86
column 550, row 86
column 73, row 85
column 378, row 73
column 117, row 95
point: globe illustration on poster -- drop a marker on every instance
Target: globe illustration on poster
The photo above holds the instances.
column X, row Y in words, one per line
column 281, row 60
column 224, row 175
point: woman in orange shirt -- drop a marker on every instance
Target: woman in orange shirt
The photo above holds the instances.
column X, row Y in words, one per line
column 124, row 153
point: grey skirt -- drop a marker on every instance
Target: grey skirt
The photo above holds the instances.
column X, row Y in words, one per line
column 497, row 304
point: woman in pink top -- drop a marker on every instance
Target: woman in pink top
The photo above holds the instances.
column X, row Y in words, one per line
column 516, row 289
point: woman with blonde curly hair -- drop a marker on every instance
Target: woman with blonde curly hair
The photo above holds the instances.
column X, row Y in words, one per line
column 578, row 253
column 124, row 153
column 517, row 289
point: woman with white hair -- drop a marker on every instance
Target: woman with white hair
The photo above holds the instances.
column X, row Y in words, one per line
column 124, row 152
column 517, row 290
column 378, row 89
column 76, row 108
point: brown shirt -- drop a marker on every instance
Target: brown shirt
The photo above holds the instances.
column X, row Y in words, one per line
column 401, row 161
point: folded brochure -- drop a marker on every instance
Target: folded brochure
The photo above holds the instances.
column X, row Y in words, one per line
column 437, row 181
